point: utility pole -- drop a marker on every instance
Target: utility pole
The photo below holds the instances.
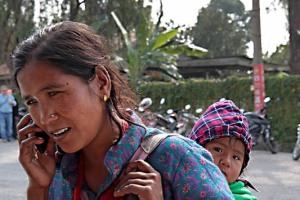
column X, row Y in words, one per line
column 258, row 66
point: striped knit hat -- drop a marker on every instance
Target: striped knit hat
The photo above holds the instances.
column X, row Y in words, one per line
column 223, row 119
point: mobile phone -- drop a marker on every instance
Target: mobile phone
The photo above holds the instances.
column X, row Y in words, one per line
column 42, row 147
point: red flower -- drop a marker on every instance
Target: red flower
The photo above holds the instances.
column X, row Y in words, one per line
column 186, row 188
column 203, row 194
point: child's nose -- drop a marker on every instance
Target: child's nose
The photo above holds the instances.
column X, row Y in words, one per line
column 225, row 161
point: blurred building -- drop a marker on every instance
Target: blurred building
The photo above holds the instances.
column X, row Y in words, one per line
column 5, row 76
column 193, row 67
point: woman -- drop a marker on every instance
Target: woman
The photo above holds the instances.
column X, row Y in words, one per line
column 74, row 95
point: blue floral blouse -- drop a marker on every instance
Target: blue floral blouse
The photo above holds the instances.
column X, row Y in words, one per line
column 186, row 168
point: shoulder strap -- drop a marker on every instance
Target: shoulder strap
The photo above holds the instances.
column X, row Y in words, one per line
column 149, row 144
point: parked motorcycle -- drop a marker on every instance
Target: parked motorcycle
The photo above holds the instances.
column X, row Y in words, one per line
column 296, row 151
column 178, row 121
column 259, row 126
column 143, row 109
column 155, row 119
column 184, row 120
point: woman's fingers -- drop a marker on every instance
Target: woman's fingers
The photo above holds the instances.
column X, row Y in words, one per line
column 138, row 165
column 146, row 189
column 143, row 192
column 38, row 166
column 27, row 129
column 141, row 179
column 22, row 128
column 136, row 178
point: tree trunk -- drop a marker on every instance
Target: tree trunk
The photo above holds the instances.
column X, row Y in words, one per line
column 258, row 66
column 256, row 32
column 294, row 30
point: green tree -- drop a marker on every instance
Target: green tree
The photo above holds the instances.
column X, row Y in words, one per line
column 294, row 30
column 153, row 49
column 16, row 20
column 222, row 28
column 280, row 56
column 142, row 53
column 96, row 14
column 292, row 7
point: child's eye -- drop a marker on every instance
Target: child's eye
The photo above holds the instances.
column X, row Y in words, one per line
column 217, row 149
column 236, row 158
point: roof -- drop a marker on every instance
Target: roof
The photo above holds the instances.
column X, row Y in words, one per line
column 201, row 67
column 4, row 70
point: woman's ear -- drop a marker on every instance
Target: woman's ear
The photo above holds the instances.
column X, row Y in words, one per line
column 103, row 81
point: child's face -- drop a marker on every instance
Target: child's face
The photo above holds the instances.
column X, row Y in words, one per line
column 228, row 154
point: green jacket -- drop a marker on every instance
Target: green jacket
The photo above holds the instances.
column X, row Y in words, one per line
column 240, row 191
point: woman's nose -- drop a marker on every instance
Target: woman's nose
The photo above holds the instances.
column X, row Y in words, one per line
column 47, row 116
column 47, row 119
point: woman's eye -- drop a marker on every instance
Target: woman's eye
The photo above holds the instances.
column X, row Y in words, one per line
column 52, row 93
column 29, row 102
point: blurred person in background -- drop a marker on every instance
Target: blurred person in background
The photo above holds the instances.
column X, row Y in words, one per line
column 7, row 101
column 15, row 118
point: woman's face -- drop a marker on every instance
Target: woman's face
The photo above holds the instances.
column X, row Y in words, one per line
column 62, row 105
column 228, row 154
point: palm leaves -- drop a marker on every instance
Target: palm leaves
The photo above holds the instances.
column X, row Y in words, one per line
column 153, row 50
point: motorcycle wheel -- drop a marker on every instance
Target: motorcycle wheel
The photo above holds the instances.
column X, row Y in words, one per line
column 296, row 152
column 272, row 145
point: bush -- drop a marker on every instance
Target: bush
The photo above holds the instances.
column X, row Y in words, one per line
column 283, row 112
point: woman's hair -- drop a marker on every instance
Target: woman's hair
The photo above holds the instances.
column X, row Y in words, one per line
column 76, row 49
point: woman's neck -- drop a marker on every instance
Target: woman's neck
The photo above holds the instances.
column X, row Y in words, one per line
column 104, row 140
column 94, row 172
column 94, row 154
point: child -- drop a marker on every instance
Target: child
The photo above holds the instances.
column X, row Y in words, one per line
column 223, row 131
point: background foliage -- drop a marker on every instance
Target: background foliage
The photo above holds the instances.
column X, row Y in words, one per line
column 283, row 110
column 16, row 21
column 222, row 28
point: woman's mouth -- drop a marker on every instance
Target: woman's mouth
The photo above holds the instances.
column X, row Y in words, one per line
column 60, row 132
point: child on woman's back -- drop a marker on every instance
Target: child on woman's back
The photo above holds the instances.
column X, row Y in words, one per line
column 223, row 131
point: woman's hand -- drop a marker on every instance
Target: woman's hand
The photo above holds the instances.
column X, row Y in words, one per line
column 39, row 167
column 139, row 178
